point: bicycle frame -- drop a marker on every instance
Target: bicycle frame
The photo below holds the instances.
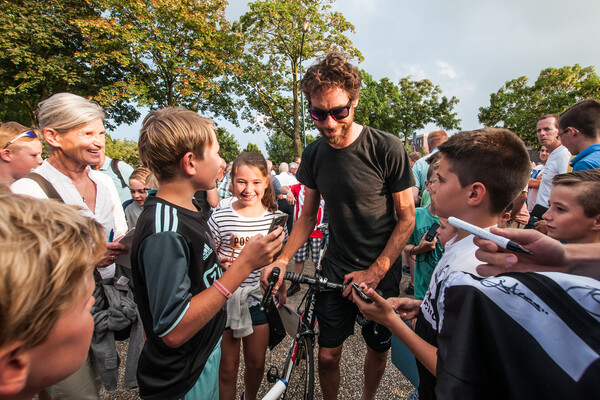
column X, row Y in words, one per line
column 307, row 326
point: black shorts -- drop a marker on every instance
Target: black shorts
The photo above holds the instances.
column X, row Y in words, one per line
column 336, row 315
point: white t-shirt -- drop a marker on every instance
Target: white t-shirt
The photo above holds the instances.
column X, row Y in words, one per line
column 458, row 256
column 109, row 212
column 286, row 179
column 532, row 193
column 557, row 163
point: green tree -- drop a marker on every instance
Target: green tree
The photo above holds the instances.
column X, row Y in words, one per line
column 404, row 108
column 124, row 150
column 253, row 147
column 171, row 53
column 270, row 65
column 229, row 147
column 39, row 47
column 517, row 106
column 279, row 148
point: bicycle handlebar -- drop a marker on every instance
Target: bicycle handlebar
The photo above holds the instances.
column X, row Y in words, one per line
column 320, row 283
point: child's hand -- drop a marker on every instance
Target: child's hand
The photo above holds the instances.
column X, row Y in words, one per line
column 380, row 311
column 425, row 246
column 406, row 308
column 260, row 250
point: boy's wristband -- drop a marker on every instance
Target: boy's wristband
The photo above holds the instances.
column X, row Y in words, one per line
column 222, row 289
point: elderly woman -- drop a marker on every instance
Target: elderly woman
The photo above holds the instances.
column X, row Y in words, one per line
column 74, row 129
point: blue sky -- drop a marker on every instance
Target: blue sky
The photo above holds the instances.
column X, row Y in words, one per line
column 468, row 48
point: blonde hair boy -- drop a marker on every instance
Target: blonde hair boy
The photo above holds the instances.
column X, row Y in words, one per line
column 20, row 151
column 179, row 286
column 47, row 254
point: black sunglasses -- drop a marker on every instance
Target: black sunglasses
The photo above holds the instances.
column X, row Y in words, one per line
column 336, row 113
column 30, row 134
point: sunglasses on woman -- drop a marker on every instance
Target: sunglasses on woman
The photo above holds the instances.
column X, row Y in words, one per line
column 336, row 113
column 30, row 134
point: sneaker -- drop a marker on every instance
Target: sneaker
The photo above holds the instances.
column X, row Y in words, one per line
column 410, row 289
column 293, row 289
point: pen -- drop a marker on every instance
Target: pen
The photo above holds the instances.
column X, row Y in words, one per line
column 503, row 242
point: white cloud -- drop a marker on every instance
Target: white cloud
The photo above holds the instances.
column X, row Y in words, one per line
column 446, row 70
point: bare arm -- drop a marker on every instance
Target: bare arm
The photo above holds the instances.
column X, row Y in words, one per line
column 405, row 210
column 382, row 312
column 259, row 251
column 415, row 193
column 535, row 182
column 303, row 227
column 548, row 255
column 518, row 204
column 212, row 196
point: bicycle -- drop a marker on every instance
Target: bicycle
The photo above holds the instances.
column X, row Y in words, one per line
column 297, row 380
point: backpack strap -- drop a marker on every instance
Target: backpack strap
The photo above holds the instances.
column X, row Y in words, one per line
column 114, row 165
column 45, row 185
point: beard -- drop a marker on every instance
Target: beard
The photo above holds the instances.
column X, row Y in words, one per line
column 344, row 129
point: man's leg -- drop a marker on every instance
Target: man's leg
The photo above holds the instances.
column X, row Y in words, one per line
column 374, row 368
column 329, row 371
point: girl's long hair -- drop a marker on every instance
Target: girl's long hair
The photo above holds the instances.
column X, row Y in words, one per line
column 257, row 161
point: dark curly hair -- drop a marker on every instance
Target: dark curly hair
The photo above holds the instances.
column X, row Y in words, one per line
column 332, row 71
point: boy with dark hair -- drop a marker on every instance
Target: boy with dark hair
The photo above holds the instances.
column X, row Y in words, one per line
column 180, row 288
column 467, row 191
column 574, row 213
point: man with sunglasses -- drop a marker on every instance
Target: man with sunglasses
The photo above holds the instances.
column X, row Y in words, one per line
column 21, row 151
column 579, row 132
column 365, row 178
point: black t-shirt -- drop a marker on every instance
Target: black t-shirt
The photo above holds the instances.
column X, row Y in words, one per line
column 173, row 258
column 356, row 183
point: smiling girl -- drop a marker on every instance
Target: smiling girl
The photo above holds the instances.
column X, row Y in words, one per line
column 251, row 214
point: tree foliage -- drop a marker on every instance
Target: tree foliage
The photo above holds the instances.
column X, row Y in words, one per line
column 404, row 108
column 517, row 106
column 280, row 148
column 124, row 150
column 39, row 47
column 252, row 147
column 270, row 65
column 229, row 147
column 171, row 52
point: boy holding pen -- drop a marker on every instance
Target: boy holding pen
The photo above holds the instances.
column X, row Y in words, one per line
column 468, row 191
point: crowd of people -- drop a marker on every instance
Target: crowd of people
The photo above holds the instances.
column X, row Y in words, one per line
column 175, row 255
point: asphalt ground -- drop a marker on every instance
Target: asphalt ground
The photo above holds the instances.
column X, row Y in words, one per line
column 393, row 384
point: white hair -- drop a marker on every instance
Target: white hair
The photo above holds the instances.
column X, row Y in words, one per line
column 65, row 111
column 283, row 167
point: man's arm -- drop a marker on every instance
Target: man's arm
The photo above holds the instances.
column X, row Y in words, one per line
column 535, row 182
column 548, row 255
column 303, row 227
column 405, row 210
column 518, row 204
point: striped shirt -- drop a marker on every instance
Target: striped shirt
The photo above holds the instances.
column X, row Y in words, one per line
column 231, row 231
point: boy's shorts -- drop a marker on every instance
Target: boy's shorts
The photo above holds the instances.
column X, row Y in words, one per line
column 315, row 248
column 336, row 315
